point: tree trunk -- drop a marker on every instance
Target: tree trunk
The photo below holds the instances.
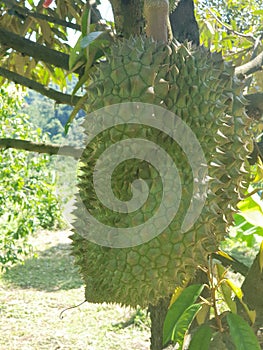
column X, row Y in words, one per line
column 183, row 22
column 128, row 17
column 157, row 314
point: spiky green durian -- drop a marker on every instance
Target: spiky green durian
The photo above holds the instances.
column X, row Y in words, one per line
column 198, row 87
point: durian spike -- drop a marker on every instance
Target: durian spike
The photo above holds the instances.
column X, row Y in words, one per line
column 156, row 14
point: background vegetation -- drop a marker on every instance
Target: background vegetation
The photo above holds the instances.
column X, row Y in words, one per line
column 27, row 186
column 48, row 281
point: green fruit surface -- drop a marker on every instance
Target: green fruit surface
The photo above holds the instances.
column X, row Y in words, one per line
column 199, row 88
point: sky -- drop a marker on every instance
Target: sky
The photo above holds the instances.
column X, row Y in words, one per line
column 105, row 10
column 106, row 13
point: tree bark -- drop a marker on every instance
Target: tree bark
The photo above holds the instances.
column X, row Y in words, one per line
column 128, row 17
column 158, row 313
column 55, row 95
column 51, row 149
column 32, row 49
column 250, row 67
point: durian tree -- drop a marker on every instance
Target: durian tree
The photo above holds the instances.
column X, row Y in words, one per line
column 149, row 61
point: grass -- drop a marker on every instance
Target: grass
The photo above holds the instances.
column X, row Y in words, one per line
column 33, row 295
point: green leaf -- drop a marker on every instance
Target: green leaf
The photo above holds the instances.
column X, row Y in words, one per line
column 88, row 39
column 241, row 333
column 203, row 314
column 239, row 293
column 184, row 323
column 226, row 290
column 83, row 80
column 227, row 294
column 201, row 338
column 246, row 231
column 76, row 109
column 252, row 211
column 95, row 51
column 76, row 54
column 185, row 299
column 85, row 18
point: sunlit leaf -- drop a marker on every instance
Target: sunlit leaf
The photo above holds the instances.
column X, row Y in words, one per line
column 239, row 293
column 251, row 211
column 226, row 290
column 227, row 294
column 225, row 255
column 176, row 294
column 237, row 290
column 183, row 324
column 88, row 39
column 76, row 54
column 185, row 300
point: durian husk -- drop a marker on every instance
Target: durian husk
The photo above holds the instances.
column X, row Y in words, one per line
column 199, row 87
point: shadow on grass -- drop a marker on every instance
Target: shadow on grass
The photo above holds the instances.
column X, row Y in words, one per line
column 52, row 270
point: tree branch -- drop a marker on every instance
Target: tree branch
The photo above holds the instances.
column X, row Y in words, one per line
column 236, row 265
column 40, row 147
column 255, row 106
column 250, row 67
column 32, row 49
column 55, row 95
column 250, row 37
column 18, row 10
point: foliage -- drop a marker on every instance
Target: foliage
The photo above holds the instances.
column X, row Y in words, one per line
column 235, row 28
column 223, row 317
column 27, row 198
column 181, row 314
column 216, row 313
column 247, row 231
column 52, row 34
column 45, row 114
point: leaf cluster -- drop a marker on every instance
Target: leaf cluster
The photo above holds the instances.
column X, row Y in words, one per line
column 210, row 316
column 27, row 196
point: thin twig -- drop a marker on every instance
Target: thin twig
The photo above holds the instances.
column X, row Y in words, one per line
column 71, row 307
column 248, row 36
column 27, row 13
column 30, row 146
column 213, row 289
column 253, row 192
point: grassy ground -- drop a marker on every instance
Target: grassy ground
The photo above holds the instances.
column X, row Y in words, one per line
column 33, row 295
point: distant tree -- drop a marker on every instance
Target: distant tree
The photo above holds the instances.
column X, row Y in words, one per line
column 27, row 183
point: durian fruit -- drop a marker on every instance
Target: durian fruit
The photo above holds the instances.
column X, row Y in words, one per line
column 198, row 86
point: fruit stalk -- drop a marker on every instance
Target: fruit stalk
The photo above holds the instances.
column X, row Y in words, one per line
column 156, row 14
